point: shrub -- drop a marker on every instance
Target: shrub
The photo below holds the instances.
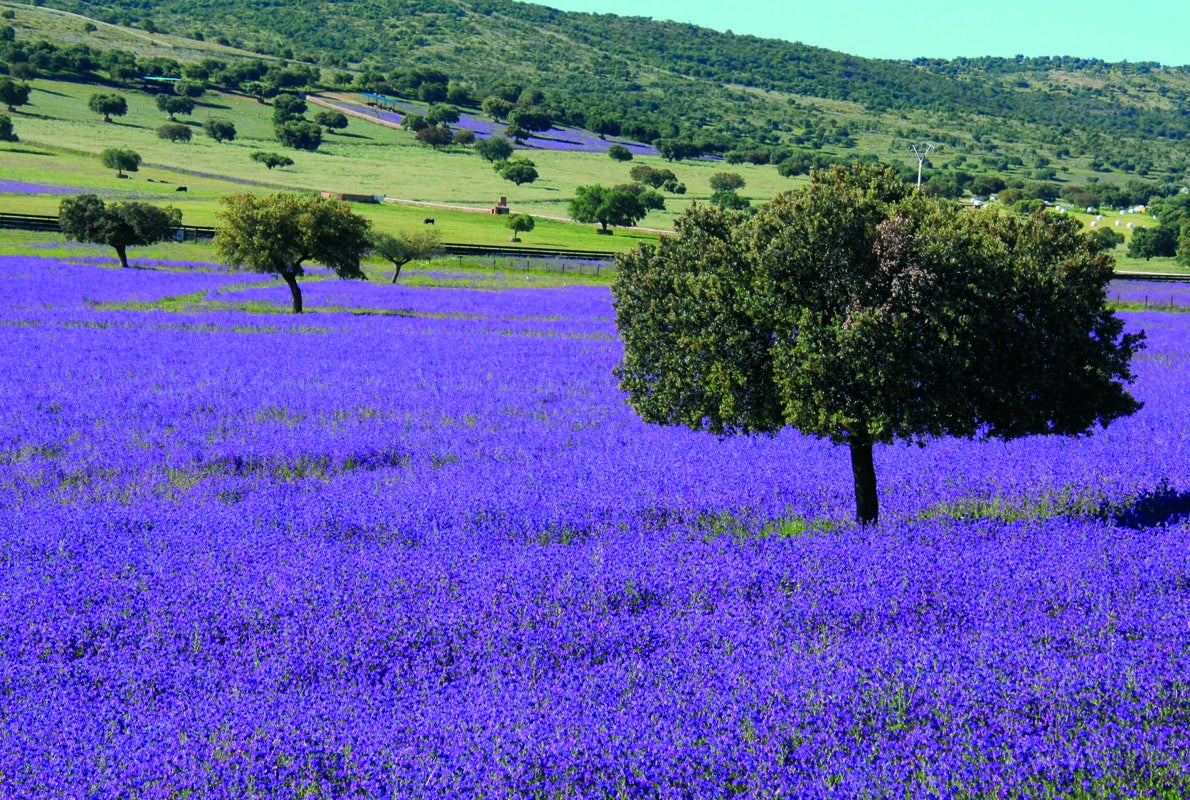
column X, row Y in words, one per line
column 174, row 132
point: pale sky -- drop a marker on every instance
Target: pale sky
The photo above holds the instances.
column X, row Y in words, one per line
column 1111, row 31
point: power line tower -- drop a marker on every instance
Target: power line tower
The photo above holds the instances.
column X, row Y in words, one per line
column 921, row 150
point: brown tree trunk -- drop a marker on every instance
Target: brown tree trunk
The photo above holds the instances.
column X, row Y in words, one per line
column 294, row 291
column 396, row 271
column 863, row 470
column 122, row 253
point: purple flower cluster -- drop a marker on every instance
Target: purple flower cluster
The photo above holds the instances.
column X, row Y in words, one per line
column 559, row 137
column 1168, row 295
column 420, row 548
column 8, row 186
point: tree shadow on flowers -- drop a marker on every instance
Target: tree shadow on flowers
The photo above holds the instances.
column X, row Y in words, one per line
column 1162, row 505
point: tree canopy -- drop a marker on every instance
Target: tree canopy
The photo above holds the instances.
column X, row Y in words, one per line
column 86, row 218
column 607, row 205
column 405, row 247
column 108, row 105
column 277, row 234
column 121, row 159
column 863, row 312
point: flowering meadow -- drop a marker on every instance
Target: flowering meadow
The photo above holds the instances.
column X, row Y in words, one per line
column 414, row 544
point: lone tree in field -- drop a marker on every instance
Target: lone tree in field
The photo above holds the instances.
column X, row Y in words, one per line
column 86, row 218
column 7, row 134
column 121, row 159
column 277, row 234
column 862, row 312
column 520, row 223
column 494, row 149
column 108, row 105
column 607, row 206
column 271, row 160
column 173, row 105
column 405, row 247
column 220, row 130
column 13, row 94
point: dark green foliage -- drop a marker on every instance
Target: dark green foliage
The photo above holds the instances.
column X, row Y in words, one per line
column 463, row 137
column 618, row 152
column 865, row 313
column 220, row 130
column 435, row 135
column 651, row 176
column 494, row 149
column 12, row 93
column 730, row 199
column 726, row 182
column 288, row 107
column 174, row 132
column 121, row 159
column 85, row 218
column 277, row 234
column 619, row 206
column 442, row 112
column 174, row 104
column 518, row 170
column 1160, row 241
column 331, row 120
column 299, row 134
column 6, row 131
column 109, row 105
column 271, row 160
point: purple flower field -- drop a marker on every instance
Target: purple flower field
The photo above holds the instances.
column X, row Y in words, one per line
column 24, row 187
column 426, row 550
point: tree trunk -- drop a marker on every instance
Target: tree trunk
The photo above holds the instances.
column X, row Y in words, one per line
column 122, row 253
column 397, row 270
column 294, row 291
column 863, row 470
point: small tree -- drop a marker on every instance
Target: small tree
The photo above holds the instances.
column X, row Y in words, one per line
column 463, row 137
column 442, row 112
column 518, row 170
column 405, row 247
column 6, row 132
column 607, row 206
column 435, row 136
column 121, row 159
column 618, row 152
column 331, row 120
column 277, row 234
column 85, row 218
column 287, row 107
column 863, row 312
column 271, row 160
column 174, row 132
column 220, row 130
column 299, row 134
column 108, row 105
column 726, row 182
column 173, row 104
column 520, row 223
column 730, row 200
column 13, row 94
column 494, row 149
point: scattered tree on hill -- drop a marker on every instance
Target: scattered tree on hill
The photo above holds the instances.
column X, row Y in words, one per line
column 530, row 120
column 287, row 107
column 463, row 137
column 442, row 112
column 494, row 149
column 649, row 199
column 121, row 159
column 173, row 104
column 618, row 152
column 516, row 133
column 6, row 132
column 497, row 108
column 277, row 234
column 651, row 176
column 863, row 312
column 13, row 94
column 220, row 130
column 271, row 160
column 331, row 120
column 730, row 200
column 520, row 223
column 174, row 132
column 405, row 247
column 726, row 182
column 85, row 218
column 108, row 105
column 299, row 134
column 435, row 136
column 607, row 206
column 415, row 123
column 1160, row 242
column 518, row 170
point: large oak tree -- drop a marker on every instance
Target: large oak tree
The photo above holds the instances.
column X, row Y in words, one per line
column 860, row 311
column 277, row 234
